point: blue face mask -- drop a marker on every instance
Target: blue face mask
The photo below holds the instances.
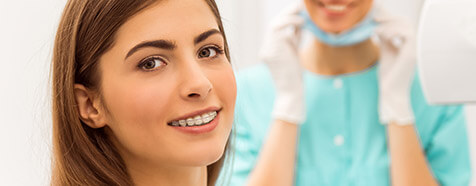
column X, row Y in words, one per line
column 360, row 32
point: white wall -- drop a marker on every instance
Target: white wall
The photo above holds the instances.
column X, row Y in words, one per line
column 26, row 34
column 27, row 30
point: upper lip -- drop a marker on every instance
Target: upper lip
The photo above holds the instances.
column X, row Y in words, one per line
column 338, row 3
column 195, row 113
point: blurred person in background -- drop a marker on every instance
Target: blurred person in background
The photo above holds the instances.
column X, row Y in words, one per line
column 143, row 93
column 343, row 107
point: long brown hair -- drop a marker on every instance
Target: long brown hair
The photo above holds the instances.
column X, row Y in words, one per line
column 84, row 155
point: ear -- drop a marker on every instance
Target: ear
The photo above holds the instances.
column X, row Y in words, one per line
column 88, row 106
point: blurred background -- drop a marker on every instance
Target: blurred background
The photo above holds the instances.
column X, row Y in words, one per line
column 27, row 29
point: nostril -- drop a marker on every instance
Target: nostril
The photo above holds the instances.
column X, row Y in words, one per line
column 194, row 95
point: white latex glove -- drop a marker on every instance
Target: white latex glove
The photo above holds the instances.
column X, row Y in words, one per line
column 280, row 53
column 397, row 68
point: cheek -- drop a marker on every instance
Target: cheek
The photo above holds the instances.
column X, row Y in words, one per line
column 136, row 102
column 225, row 86
column 224, row 83
column 137, row 112
column 227, row 93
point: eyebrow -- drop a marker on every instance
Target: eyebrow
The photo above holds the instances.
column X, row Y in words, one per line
column 205, row 35
column 164, row 44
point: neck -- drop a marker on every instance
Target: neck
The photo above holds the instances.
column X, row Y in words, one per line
column 148, row 174
column 323, row 59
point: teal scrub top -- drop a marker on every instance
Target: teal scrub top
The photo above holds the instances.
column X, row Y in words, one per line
column 342, row 141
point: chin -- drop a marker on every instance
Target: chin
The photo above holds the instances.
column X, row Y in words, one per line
column 212, row 157
column 201, row 154
column 204, row 158
column 335, row 27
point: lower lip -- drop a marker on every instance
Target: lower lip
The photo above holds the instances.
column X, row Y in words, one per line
column 202, row 129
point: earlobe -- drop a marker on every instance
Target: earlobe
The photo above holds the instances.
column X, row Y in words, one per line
column 89, row 112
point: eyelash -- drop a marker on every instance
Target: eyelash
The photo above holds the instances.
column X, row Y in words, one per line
column 144, row 62
column 219, row 51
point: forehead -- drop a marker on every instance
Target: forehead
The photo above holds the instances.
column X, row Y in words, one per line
column 168, row 19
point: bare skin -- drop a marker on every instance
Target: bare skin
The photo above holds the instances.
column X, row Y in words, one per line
column 275, row 165
column 409, row 166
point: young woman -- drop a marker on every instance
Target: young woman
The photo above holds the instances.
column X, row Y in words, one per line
column 342, row 110
column 143, row 93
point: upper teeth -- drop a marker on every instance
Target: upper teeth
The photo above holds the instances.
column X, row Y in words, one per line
column 336, row 7
column 196, row 120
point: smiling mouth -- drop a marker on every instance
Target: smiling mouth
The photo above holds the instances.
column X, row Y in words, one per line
column 334, row 7
column 198, row 120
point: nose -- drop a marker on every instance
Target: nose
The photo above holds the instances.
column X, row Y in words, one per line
column 195, row 83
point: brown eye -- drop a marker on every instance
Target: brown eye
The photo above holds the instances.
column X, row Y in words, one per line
column 151, row 63
column 208, row 52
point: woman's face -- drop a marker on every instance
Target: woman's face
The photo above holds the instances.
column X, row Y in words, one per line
column 335, row 16
column 167, row 86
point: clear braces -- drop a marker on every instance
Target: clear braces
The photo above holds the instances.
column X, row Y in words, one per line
column 195, row 121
